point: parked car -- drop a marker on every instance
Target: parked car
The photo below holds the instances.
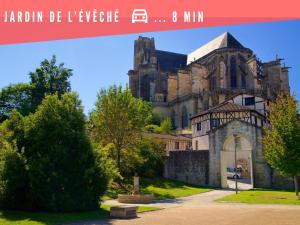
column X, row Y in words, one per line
column 231, row 173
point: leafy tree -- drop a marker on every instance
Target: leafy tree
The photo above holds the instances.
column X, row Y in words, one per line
column 2, row 136
column 282, row 142
column 166, row 126
column 153, row 128
column 13, row 179
column 17, row 97
column 13, row 129
column 119, row 119
column 107, row 163
column 49, row 79
column 155, row 119
column 153, row 154
column 62, row 170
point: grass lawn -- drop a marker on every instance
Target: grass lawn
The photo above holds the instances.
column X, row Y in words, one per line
column 161, row 188
column 34, row 218
column 169, row 189
column 263, row 196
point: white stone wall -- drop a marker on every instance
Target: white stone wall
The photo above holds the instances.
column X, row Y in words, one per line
column 201, row 143
column 260, row 104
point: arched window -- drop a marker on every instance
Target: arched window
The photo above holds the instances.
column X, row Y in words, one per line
column 184, row 118
column 233, row 75
column 243, row 71
column 165, row 86
column 222, row 74
column 165, row 82
column 145, row 87
column 212, row 83
column 173, row 119
column 243, row 81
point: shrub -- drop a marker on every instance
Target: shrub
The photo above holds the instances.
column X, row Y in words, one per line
column 166, row 126
column 153, row 128
column 155, row 119
column 64, row 173
column 13, row 179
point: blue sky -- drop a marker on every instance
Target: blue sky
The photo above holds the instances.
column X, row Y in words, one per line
column 103, row 61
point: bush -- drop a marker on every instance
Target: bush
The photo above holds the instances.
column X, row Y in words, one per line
column 155, row 119
column 64, row 173
column 166, row 126
column 153, row 128
column 13, row 179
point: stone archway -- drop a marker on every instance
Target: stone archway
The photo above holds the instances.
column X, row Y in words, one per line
column 244, row 162
column 220, row 136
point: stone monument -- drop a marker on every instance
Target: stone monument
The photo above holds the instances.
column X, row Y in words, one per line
column 136, row 185
column 136, row 197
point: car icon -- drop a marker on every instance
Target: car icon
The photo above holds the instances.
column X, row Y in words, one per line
column 139, row 15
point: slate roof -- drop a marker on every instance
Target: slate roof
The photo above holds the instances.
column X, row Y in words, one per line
column 168, row 136
column 225, row 40
column 169, row 61
column 225, row 107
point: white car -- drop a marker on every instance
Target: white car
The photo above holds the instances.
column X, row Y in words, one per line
column 139, row 15
column 231, row 173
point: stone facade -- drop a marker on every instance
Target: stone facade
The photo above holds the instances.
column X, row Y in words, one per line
column 217, row 137
column 188, row 166
column 218, row 90
column 204, row 167
column 180, row 86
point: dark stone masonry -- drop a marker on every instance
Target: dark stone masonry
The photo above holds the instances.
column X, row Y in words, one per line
column 188, row 166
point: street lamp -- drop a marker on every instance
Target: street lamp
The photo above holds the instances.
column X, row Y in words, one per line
column 235, row 164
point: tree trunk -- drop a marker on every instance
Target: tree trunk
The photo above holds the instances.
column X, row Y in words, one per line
column 119, row 159
column 296, row 185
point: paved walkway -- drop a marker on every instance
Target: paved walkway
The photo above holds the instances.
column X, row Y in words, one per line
column 199, row 199
column 243, row 184
column 202, row 210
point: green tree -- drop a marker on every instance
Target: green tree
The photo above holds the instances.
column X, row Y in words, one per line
column 153, row 154
column 17, row 97
column 166, row 126
column 62, row 170
column 153, row 128
column 13, row 130
column 281, row 143
column 49, row 79
column 13, row 179
column 155, row 119
column 119, row 119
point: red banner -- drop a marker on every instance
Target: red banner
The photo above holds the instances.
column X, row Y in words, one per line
column 33, row 20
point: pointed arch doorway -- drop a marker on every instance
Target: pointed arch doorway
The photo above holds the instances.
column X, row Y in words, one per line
column 244, row 162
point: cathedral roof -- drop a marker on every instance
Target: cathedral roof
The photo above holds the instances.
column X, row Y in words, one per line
column 225, row 40
column 170, row 61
